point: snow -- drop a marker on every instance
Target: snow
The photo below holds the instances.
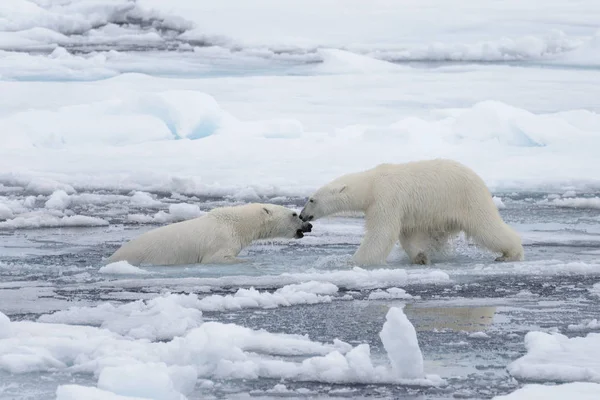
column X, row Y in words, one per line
column 77, row 392
column 143, row 199
column 499, row 203
column 44, row 220
column 575, row 390
column 159, row 318
column 116, row 112
column 150, row 380
column 479, row 335
column 161, row 146
column 354, row 278
column 555, row 357
column 591, row 324
column 184, row 211
column 211, row 350
column 576, row 202
column 59, row 200
column 121, row 268
column 172, row 315
column 5, row 212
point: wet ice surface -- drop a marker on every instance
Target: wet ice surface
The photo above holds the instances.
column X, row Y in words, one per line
column 470, row 324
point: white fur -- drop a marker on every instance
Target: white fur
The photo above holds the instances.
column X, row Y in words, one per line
column 216, row 237
column 419, row 203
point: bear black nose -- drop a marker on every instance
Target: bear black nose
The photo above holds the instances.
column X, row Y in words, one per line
column 306, row 227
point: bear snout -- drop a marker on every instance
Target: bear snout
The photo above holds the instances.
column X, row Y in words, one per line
column 306, row 227
column 305, row 217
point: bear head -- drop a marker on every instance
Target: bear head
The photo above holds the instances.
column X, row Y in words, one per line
column 283, row 222
column 329, row 199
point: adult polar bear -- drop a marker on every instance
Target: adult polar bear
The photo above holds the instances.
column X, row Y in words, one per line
column 216, row 237
column 420, row 203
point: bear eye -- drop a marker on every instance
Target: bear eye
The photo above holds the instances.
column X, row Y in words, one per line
column 294, row 215
column 311, row 200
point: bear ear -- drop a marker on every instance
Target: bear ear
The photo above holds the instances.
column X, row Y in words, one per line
column 265, row 209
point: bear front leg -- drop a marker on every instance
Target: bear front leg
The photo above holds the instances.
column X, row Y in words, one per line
column 375, row 246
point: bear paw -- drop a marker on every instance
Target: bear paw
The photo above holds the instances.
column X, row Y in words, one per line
column 421, row 259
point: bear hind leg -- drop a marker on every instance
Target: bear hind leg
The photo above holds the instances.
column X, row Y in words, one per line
column 497, row 236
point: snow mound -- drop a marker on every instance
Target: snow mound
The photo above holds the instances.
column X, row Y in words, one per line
column 575, row 390
column 557, row 358
column 59, row 200
column 340, row 61
column 47, row 186
column 121, row 268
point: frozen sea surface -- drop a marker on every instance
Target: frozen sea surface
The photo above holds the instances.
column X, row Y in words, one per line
column 470, row 314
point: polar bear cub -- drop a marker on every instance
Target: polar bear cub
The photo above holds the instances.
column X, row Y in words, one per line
column 216, row 237
column 421, row 204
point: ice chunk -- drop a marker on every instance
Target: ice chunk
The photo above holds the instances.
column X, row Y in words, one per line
column 391, row 293
column 590, row 324
column 121, row 268
column 557, row 358
column 59, row 200
column 595, row 289
column 399, row 339
column 44, row 220
column 5, row 329
column 184, row 211
column 479, row 335
column 576, row 202
column 47, row 186
column 499, row 203
column 575, row 390
column 143, row 199
column 5, row 212
column 78, row 392
column 151, row 380
column 160, row 318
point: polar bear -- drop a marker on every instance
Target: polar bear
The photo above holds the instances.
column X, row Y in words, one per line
column 216, row 237
column 420, row 203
